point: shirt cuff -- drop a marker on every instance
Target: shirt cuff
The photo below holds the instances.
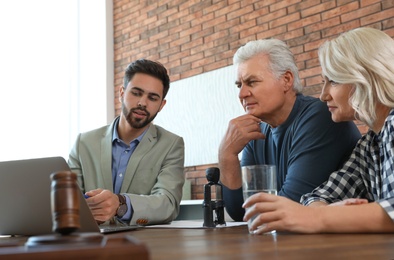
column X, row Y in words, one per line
column 388, row 206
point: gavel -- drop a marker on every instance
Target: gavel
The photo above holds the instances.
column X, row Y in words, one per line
column 65, row 198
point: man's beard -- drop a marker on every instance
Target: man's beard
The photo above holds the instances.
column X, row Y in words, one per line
column 137, row 122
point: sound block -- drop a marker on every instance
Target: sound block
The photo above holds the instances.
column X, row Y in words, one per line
column 78, row 246
column 58, row 240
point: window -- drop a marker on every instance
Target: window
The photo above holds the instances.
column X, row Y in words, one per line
column 56, row 74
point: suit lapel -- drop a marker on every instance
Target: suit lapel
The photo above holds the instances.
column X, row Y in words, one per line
column 146, row 144
column 106, row 158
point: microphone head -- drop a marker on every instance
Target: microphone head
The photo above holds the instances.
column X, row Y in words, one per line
column 213, row 174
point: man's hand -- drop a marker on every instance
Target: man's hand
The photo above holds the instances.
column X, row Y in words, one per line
column 103, row 204
column 240, row 132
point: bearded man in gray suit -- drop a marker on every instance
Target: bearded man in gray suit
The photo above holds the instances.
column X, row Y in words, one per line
column 132, row 170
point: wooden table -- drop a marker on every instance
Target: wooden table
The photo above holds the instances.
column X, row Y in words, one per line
column 236, row 243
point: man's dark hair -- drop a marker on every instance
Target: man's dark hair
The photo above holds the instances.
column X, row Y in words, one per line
column 152, row 68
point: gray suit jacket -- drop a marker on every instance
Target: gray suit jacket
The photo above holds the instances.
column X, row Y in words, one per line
column 154, row 177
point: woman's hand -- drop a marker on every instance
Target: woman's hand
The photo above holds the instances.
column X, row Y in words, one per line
column 280, row 214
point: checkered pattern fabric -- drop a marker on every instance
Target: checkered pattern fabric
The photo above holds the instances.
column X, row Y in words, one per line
column 369, row 172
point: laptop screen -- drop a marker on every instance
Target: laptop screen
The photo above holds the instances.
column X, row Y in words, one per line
column 25, row 188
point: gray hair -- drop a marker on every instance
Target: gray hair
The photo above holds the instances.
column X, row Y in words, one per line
column 280, row 56
column 363, row 57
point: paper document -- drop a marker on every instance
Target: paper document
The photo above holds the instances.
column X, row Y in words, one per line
column 194, row 224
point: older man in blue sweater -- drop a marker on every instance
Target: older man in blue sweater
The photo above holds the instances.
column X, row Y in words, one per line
column 281, row 127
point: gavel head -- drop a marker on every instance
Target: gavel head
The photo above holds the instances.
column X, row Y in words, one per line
column 65, row 202
column 213, row 175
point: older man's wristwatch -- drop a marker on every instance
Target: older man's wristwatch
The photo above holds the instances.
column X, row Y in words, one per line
column 121, row 211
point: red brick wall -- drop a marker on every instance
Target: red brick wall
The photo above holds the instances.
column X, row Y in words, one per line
column 191, row 37
column 196, row 175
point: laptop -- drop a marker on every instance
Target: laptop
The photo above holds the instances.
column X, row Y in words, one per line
column 25, row 202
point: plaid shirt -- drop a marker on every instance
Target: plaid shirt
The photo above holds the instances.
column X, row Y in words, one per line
column 369, row 172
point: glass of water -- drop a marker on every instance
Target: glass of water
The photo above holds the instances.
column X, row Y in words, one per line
column 255, row 179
